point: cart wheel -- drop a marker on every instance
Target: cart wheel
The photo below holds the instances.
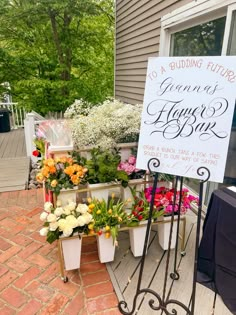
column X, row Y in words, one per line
column 64, row 279
column 183, row 253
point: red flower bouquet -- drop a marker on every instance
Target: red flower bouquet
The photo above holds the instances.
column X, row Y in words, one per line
column 140, row 209
column 164, row 199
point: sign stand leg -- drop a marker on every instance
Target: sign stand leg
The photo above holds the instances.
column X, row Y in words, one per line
column 162, row 301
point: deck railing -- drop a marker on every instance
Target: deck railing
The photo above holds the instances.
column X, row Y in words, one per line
column 32, row 120
column 17, row 114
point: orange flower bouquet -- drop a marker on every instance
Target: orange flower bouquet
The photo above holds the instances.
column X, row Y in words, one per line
column 61, row 173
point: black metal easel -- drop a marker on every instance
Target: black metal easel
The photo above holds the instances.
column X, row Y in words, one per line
column 162, row 301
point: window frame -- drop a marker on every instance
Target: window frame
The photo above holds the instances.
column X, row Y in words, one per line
column 193, row 14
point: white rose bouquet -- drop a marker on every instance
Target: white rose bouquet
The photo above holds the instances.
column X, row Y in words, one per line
column 64, row 221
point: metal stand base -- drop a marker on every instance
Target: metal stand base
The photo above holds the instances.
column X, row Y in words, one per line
column 161, row 302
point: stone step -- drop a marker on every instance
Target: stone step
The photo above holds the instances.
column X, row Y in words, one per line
column 14, row 173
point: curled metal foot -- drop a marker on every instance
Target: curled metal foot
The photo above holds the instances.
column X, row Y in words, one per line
column 174, row 275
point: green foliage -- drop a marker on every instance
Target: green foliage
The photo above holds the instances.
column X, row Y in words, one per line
column 52, row 236
column 40, row 145
column 102, row 167
column 53, row 52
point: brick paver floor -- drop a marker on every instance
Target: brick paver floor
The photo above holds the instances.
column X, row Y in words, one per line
column 30, row 280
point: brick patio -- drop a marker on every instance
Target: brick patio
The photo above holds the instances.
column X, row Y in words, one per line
column 30, row 280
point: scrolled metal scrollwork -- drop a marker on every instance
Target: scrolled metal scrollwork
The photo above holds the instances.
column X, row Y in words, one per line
column 151, row 302
column 161, row 305
column 153, row 165
column 174, row 312
column 204, row 171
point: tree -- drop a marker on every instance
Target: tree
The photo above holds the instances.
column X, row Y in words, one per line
column 52, row 52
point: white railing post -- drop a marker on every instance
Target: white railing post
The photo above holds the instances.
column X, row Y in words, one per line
column 29, row 128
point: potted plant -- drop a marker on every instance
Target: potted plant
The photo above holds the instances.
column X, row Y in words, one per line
column 137, row 219
column 61, row 175
column 164, row 201
column 107, row 217
column 66, row 224
column 102, row 173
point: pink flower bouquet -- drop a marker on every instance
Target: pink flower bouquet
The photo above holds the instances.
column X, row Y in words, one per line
column 129, row 166
column 164, row 199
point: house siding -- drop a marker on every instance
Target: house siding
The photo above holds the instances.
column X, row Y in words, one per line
column 138, row 26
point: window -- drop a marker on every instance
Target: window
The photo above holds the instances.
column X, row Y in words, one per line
column 202, row 40
column 232, row 38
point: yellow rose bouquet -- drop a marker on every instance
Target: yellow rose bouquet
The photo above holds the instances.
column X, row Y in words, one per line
column 61, row 173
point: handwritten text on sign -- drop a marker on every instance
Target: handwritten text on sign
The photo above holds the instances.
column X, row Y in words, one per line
column 187, row 114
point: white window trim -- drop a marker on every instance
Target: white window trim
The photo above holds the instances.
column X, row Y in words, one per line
column 231, row 8
column 193, row 14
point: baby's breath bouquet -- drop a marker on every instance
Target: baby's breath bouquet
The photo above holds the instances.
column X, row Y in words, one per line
column 79, row 108
column 64, row 221
column 107, row 124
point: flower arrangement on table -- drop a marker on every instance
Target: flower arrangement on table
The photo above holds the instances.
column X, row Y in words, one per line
column 105, row 125
column 140, row 209
column 107, row 216
column 64, row 221
column 61, row 173
column 164, row 199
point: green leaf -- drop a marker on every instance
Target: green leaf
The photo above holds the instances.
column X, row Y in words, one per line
column 114, row 233
column 52, row 236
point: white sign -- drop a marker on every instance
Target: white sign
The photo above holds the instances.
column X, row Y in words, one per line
column 187, row 114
